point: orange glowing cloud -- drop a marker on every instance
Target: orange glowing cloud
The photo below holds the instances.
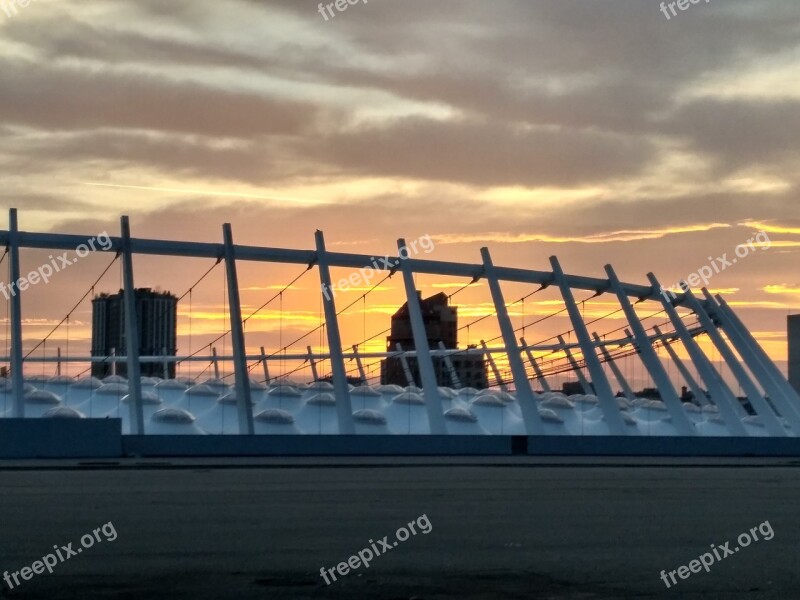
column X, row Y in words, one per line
column 622, row 235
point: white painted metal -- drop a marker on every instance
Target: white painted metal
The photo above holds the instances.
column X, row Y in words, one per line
column 424, row 362
column 536, row 369
column 602, row 388
column 651, row 361
column 243, row 396
column 131, row 332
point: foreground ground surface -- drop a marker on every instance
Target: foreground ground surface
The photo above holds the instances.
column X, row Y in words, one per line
column 501, row 528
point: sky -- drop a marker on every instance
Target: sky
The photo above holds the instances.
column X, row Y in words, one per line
column 600, row 132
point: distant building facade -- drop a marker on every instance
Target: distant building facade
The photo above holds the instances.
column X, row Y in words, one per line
column 793, row 331
column 157, row 317
column 574, row 387
column 441, row 325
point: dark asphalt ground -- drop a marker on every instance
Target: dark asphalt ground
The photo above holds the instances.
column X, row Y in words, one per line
column 505, row 528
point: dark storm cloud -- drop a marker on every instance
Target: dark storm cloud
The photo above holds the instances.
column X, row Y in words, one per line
column 542, row 93
column 484, row 153
column 242, row 161
column 49, row 98
column 742, row 133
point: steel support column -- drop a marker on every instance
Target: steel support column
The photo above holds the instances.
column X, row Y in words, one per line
column 493, row 366
column 361, row 373
column 691, row 382
column 165, row 364
column 131, row 333
column 757, row 401
column 721, row 394
column 748, row 346
column 602, row 388
column 406, row 367
column 344, row 409
column 587, row 387
column 433, row 401
column 449, row 366
column 264, row 365
column 313, row 364
column 623, row 383
column 243, row 396
column 215, row 362
column 15, row 314
column 651, row 361
column 776, row 396
column 531, row 359
column 525, row 397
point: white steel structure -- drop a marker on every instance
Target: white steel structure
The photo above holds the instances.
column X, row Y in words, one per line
column 249, row 408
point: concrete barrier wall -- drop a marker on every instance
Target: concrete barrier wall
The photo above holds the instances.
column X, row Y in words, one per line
column 101, row 438
column 60, row 438
column 421, row 445
column 661, row 446
column 317, row 445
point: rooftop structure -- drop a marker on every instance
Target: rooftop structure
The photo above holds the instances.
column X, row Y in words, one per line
column 241, row 403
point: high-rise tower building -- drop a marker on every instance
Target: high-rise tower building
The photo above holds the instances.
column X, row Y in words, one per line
column 157, row 317
column 441, row 325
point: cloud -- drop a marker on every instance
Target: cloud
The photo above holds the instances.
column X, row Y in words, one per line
column 604, row 133
column 595, row 238
column 773, row 227
column 782, row 288
column 740, row 133
column 89, row 99
column 456, row 151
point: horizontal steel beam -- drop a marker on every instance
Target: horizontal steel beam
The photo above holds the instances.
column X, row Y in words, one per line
column 59, row 241
column 347, row 355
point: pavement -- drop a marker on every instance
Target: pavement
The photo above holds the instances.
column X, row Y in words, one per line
column 510, row 527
